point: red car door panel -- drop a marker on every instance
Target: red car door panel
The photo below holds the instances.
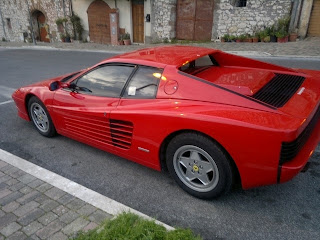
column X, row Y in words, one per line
column 84, row 117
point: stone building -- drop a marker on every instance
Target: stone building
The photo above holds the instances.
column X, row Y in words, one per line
column 154, row 20
column 15, row 16
column 238, row 17
column 105, row 20
column 211, row 19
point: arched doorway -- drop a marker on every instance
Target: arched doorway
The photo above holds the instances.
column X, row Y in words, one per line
column 40, row 26
column 99, row 22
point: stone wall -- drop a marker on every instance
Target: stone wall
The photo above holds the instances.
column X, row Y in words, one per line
column 227, row 17
column 17, row 12
column 163, row 19
column 239, row 20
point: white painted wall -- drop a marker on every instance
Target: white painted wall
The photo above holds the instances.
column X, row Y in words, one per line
column 125, row 15
column 80, row 7
column 147, row 25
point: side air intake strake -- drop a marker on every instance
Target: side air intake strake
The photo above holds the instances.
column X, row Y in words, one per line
column 99, row 130
column 121, row 133
column 289, row 150
column 279, row 90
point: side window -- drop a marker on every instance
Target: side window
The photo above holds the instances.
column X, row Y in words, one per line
column 198, row 65
column 144, row 83
column 106, row 81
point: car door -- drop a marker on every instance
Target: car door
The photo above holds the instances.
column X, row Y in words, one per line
column 135, row 117
column 82, row 110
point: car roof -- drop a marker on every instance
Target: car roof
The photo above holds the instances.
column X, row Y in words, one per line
column 168, row 55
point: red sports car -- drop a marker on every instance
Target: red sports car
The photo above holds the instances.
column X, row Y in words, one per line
column 209, row 117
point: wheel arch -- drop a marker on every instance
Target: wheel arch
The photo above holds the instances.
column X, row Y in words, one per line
column 166, row 141
column 26, row 102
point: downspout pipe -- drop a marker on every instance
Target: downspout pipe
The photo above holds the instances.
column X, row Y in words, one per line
column 71, row 14
column 71, row 7
column 4, row 29
column 294, row 15
column 64, row 8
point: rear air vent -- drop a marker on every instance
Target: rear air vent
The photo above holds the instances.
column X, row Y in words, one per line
column 279, row 90
column 121, row 133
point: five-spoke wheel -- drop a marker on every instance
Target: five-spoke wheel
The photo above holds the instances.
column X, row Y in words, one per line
column 40, row 117
column 196, row 168
column 199, row 165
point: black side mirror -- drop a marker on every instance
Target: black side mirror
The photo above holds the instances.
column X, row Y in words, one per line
column 57, row 84
column 54, row 86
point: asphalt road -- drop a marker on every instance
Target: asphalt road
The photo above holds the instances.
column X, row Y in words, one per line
column 286, row 211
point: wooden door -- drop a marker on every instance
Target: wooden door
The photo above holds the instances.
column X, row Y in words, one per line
column 314, row 24
column 99, row 22
column 138, row 20
column 194, row 19
column 203, row 20
column 185, row 19
column 43, row 33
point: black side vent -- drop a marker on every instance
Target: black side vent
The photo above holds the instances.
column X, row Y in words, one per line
column 279, row 90
column 289, row 150
column 121, row 133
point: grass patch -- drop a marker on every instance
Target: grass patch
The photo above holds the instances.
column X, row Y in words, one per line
column 128, row 226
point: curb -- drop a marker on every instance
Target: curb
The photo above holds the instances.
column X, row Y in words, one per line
column 241, row 53
column 44, row 48
column 85, row 194
column 292, row 56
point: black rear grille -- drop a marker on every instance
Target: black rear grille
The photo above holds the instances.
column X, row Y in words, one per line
column 290, row 150
column 279, row 90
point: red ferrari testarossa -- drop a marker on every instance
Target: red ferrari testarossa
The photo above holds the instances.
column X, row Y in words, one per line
column 210, row 117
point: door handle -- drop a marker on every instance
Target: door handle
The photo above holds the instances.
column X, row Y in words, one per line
column 77, row 95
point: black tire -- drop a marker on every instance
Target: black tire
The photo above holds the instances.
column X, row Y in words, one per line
column 40, row 117
column 190, row 157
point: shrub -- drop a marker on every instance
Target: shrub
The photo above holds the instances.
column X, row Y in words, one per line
column 77, row 26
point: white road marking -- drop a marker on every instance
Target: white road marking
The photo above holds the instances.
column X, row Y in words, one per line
column 96, row 199
column 6, row 91
column 6, row 102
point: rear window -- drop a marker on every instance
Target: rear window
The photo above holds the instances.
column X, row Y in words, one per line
column 198, row 65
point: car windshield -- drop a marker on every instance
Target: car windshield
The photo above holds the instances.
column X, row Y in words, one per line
column 69, row 77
